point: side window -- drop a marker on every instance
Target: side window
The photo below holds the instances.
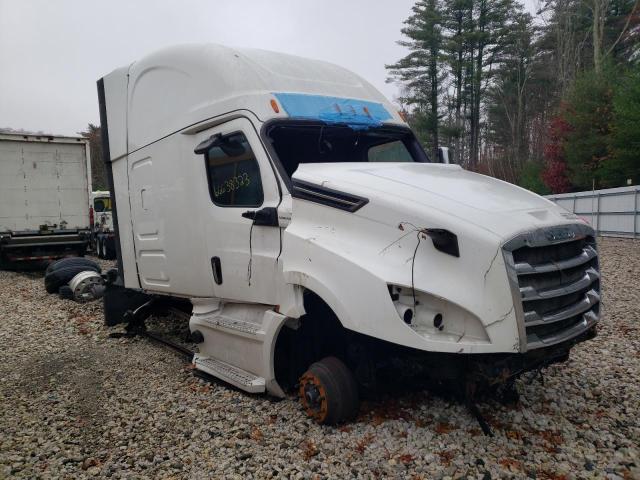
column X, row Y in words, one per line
column 233, row 173
column 390, row 152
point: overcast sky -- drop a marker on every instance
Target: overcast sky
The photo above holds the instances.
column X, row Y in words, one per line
column 52, row 52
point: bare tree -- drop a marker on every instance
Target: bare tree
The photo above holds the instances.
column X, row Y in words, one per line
column 98, row 173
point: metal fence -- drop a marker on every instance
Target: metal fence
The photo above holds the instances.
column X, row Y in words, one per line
column 612, row 212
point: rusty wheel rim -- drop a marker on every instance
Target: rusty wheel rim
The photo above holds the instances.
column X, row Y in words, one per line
column 313, row 397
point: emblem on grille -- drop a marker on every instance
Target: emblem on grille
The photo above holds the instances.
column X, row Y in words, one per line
column 558, row 234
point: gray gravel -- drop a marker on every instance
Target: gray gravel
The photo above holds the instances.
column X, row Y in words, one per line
column 77, row 404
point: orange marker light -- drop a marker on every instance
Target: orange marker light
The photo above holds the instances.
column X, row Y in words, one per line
column 275, row 106
column 366, row 111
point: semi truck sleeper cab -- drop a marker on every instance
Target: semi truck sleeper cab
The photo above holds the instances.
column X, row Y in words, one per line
column 319, row 248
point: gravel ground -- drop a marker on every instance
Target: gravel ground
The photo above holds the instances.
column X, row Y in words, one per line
column 76, row 403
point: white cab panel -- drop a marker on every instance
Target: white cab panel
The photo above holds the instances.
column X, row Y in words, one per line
column 169, row 243
column 125, row 222
column 239, row 343
column 248, row 256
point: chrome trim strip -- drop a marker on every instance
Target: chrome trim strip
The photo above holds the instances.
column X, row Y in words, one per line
column 544, row 236
column 589, row 319
column 517, row 299
column 588, row 253
column 530, row 293
column 531, row 318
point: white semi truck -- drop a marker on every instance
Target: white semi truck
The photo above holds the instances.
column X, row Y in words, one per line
column 44, row 197
column 319, row 247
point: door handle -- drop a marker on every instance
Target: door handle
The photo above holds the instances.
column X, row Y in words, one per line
column 266, row 217
column 216, row 266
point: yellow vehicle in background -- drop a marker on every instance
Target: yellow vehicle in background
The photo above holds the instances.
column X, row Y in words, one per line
column 102, row 234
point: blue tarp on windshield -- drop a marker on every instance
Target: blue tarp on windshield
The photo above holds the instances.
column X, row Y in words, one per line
column 358, row 114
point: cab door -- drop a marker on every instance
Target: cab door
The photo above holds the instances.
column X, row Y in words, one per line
column 242, row 235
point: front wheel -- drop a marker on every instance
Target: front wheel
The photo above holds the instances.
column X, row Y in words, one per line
column 329, row 392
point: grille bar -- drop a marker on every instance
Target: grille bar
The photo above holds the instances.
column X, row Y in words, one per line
column 588, row 320
column 588, row 253
column 532, row 318
column 530, row 293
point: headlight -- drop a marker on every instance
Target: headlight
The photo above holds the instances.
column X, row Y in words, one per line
column 436, row 318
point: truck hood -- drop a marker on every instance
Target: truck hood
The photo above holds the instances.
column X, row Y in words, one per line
column 499, row 207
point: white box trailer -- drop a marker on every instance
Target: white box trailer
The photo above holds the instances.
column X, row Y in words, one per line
column 44, row 197
column 287, row 201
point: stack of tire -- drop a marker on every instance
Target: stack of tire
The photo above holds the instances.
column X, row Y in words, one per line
column 60, row 273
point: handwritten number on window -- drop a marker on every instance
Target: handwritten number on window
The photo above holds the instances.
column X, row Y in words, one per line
column 232, row 184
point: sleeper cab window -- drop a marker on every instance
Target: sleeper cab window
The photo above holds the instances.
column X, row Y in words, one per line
column 233, row 173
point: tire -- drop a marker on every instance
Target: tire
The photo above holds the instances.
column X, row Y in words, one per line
column 65, row 292
column 329, row 392
column 61, row 276
column 348, row 380
column 109, row 253
column 70, row 262
column 99, row 247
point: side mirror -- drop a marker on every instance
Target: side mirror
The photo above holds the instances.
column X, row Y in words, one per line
column 445, row 155
column 266, row 217
column 205, row 146
column 230, row 147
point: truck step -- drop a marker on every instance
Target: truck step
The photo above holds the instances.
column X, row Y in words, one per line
column 236, row 326
column 233, row 375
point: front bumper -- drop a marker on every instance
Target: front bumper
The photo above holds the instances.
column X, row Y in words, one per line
column 493, row 369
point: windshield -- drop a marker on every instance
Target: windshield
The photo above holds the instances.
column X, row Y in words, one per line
column 102, row 204
column 297, row 143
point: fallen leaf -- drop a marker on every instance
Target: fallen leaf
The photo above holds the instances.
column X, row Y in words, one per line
column 364, row 442
column 511, row 464
column 513, row 435
column 406, row 458
column 446, row 457
column 443, row 428
column 309, row 450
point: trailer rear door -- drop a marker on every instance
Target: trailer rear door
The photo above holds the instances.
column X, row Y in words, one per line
column 43, row 183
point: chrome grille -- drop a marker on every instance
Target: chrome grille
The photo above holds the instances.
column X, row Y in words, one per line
column 555, row 281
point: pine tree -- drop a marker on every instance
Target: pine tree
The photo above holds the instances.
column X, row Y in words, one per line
column 589, row 117
column 418, row 71
column 625, row 132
